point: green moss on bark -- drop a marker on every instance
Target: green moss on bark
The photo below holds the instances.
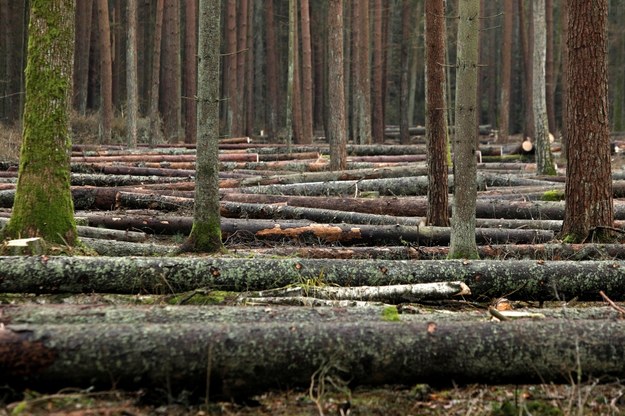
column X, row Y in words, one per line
column 43, row 203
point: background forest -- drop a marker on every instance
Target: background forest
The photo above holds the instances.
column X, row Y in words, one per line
column 383, row 40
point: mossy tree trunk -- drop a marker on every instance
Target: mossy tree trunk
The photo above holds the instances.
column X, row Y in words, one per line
column 206, row 231
column 43, row 201
column 465, row 139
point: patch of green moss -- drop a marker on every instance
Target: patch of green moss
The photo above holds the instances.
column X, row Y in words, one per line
column 211, row 298
column 553, row 195
column 390, row 314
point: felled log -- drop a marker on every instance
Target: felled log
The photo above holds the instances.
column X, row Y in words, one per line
column 48, row 313
column 130, row 170
column 258, row 229
column 417, row 206
column 388, row 159
column 354, row 174
column 223, row 157
column 270, row 157
column 411, row 185
column 520, row 279
column 185, row 356
column 263, row 211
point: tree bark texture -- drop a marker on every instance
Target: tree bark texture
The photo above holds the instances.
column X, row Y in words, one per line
column 506, row 71
column 371, row 353
column 377, row 79
column 465, row 135
column 487, row 279
column 588, row 186
column 307, row 77
column 436, row 113
column 43, row 203
column 190, row 72
column 206, row 232
column 132, row 81
column 106, row 72
column 544, row 158
column 337, row 124
column 154, row 114
column 70, row 314
column 81, row 54
column 170, row 71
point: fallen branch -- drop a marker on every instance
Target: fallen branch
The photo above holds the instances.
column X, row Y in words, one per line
column 391, row 294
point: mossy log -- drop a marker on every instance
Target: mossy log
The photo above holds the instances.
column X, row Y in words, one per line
column 241, row 359
column 521, row 279
column 57, row 314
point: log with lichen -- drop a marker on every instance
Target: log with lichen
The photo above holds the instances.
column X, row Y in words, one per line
column 240, row 359
column 487, row 279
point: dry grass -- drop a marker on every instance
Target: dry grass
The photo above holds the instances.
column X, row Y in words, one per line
column 10, row 141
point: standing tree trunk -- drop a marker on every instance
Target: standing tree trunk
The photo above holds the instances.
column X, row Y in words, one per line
column 436, row 113
column 106, row 72
column 242, row 52
column 230, row 67
column 154, row 115
column 406, row 29
column 506, row 70
column 550, row 81
column 190, row 72
column 465, row 136
column 291, row 97
column 84, row 12
column 132, row 85
column 565, row 77
column 377, row 115
column 307, row 80
column 170, row 71
column 272, row 70
column 43, row 201
column 588, row 196
column 336, row 94
column 544, row 159
column 205, row 234
column 361, row 85
column 525, row 34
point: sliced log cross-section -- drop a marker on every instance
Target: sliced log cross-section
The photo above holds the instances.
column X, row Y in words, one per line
column 524, row 279
column 245, row 358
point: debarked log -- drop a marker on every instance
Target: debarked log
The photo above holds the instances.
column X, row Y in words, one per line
column 521, row 279
column 243, row 359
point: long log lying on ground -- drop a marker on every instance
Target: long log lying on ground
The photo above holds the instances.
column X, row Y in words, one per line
column 243, row 359
column 523, row 279
column 417, row 206
column 411, row 185
column 171, row 314
column 302, row 230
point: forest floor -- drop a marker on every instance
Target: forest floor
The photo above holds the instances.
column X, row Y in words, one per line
column 578, row 396
column 590, row 398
